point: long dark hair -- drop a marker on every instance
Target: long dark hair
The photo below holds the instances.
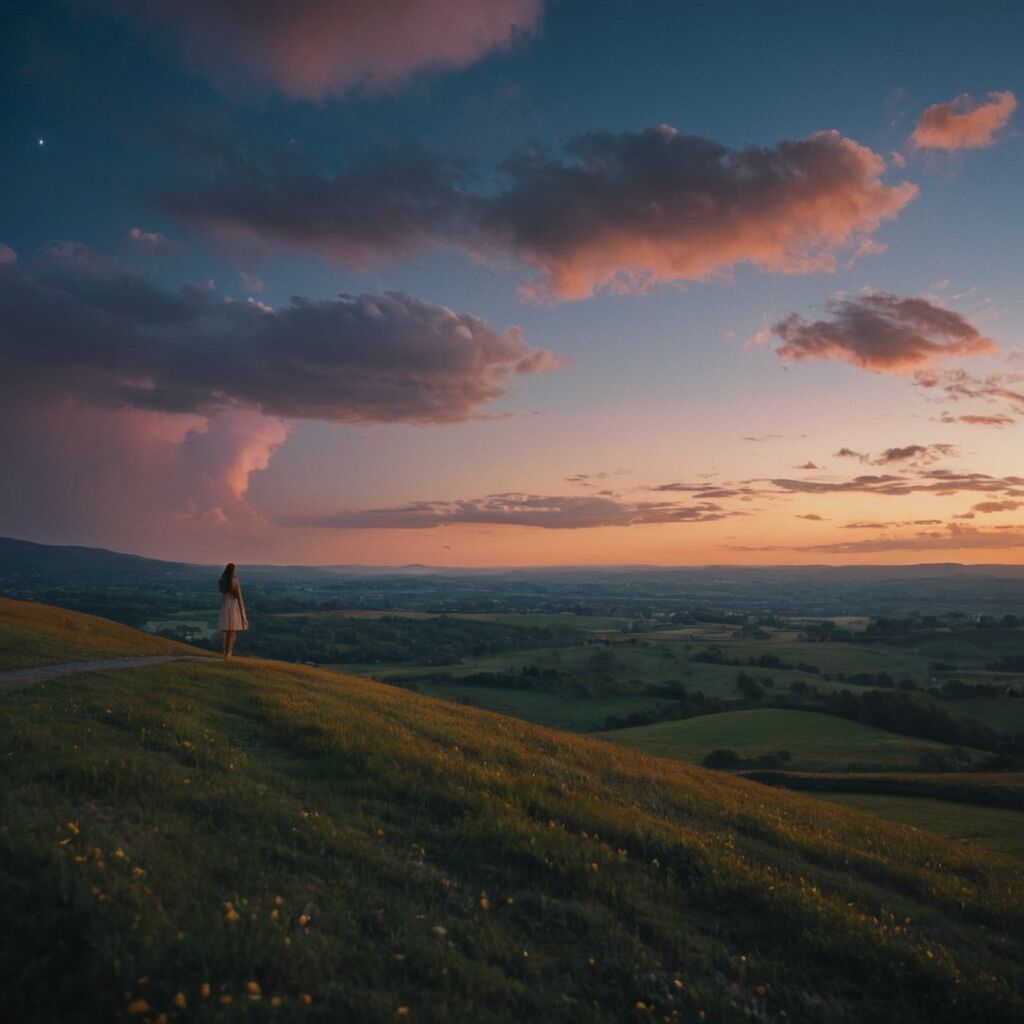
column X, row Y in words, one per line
column 227, row 577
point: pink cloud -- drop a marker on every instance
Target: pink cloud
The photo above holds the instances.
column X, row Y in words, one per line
column 964, row 123
column 130, row 478
column 310, row 49
column 882, row 332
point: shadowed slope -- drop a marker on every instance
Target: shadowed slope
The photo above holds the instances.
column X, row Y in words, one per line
column 40, row 634
column 344, row 850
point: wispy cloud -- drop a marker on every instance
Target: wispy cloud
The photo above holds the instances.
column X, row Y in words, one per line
column 912, row 454
column 953, row 537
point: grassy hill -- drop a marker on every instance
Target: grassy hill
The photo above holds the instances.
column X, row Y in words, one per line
column 816, row 741
column 38, row 634
column 252, row 841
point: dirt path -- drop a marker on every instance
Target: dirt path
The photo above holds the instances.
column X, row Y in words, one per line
column 25, row 676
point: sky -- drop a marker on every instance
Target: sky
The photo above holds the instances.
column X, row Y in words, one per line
column 531, row 282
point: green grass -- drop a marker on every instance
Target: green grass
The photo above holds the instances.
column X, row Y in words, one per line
column 257, row 841
column 1004, row 714
column 990, row 827
column 816, row 741
column 573, row 713
column 37, row 634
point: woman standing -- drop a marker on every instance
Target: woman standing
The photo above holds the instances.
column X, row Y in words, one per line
column 232, row 609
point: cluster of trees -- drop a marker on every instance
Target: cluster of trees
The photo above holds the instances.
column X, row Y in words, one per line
column 442, row 640
column 724, row 759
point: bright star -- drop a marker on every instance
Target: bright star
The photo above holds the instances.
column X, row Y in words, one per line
column 42, row 142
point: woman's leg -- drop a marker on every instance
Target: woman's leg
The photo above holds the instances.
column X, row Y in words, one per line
column 229, row 642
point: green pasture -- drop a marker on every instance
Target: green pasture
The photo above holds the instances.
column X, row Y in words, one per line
column 816, row 741
column 576, row 714
column 1004, row 714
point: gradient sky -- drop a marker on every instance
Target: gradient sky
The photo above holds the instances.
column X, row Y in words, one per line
column 518, row 283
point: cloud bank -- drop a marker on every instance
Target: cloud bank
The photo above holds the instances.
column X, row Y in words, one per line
column 545, row 511
column 312, row 49
column 114, row 337
column 964, row 123
column 619, row 211
column 880, row 331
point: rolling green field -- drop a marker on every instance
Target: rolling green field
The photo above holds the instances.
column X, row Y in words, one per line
column 1005, row 714
column 991, row 827
column 816, row 741
column 255, row 840
column 549, row 709
column 36, row 634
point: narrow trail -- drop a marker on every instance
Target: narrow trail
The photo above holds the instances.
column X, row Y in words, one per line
column 36, row 674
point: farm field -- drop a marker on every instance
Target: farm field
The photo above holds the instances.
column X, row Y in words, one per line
column 815, row 741
column 551, row 709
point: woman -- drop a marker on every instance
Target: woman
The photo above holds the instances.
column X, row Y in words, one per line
column 232, row 609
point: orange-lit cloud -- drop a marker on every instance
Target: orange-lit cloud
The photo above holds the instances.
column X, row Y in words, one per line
column 999, row 420
column 631, row 210
column 964, row 123
column 622, row 212
column 882, row 332
column 312, row 49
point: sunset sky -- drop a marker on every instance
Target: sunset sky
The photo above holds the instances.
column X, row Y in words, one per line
column 514, row 282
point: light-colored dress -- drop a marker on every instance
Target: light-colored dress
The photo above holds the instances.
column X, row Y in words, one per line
column 231, row 612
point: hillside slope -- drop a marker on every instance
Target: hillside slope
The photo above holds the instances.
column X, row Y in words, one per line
column 261, row 841
column 39, row 634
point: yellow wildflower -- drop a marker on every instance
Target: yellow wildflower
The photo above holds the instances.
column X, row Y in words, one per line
column 180, row 1001
column 204, row 990
column 306, row 998
column 138, row 1006
column 254, row 990
column 276, row 1001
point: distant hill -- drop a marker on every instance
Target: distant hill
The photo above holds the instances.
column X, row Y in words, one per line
column 259, row 841
column 64, row 574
